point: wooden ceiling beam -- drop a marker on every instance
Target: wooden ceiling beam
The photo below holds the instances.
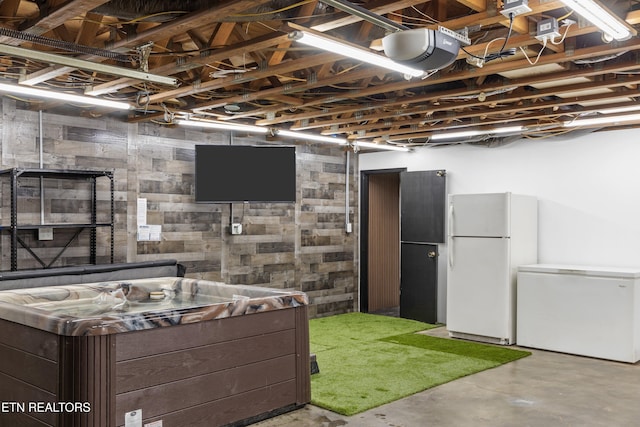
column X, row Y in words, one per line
column 471, row 120
column 512, row 98
column 477, row 5
column 222, row 35
column 492, row 17
column 287, row 67
column 55, row 17
column 379, row 8
column 436, row 114
column 196, row 61
column 159, row 32
column 8, row 10
column 489, row 69
column 89, row 28
column 354, row 75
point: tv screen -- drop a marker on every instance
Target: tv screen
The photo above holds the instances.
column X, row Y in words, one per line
column 242, row 173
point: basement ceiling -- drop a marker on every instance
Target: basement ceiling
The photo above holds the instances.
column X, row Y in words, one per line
column 233, row 61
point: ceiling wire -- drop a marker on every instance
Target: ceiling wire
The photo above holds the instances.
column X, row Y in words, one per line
column 433, row 20
column 412, row 18
column 272, row 12
column 502, row 52
column 116, row 24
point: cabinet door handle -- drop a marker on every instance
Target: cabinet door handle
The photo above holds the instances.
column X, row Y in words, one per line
column 432, row 254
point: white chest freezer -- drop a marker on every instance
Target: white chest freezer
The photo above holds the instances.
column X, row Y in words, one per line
column 588, row 311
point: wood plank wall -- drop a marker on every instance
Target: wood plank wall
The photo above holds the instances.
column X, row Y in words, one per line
column 384, row 241
column 301, row 246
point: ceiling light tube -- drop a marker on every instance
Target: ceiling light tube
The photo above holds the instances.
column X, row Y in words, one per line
column 221, row 125
column 311, row 137
column 342, row 48
column 375, row 146
column 477, row 132
column 599, row 16
column 618, row 110
column 608, row 120
column 81, row 64
column 62, row 96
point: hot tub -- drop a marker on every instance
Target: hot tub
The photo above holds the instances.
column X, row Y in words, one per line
column 170, row 351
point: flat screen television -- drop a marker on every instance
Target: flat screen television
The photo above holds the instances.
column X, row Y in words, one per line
column 243, row 173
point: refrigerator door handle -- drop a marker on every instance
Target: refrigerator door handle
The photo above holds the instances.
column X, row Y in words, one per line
column 450, row 226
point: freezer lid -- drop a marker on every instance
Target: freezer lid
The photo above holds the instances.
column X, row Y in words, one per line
column 582, row 270
column 479, row 215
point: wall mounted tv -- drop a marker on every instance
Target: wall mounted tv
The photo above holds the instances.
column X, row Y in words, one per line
column 243, row 173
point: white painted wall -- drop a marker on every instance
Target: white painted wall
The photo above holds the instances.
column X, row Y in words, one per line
column 588, row 188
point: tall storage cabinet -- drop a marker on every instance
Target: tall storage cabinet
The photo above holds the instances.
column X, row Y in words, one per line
column 15, row 227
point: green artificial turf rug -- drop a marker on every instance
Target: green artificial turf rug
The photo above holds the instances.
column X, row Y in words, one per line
column 367, row 360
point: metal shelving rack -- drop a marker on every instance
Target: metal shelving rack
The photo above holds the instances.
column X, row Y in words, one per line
column 14, row 227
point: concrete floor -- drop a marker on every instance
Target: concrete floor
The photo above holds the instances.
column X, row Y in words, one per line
column 545, row 389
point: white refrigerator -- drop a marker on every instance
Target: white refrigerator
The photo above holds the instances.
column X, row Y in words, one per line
column 489, row 236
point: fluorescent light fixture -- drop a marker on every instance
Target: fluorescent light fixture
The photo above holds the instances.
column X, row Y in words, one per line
column 98, row 67
column 311, row 137
column 339, row 47
column 599, row 16
column 373, row 145
column 221, row 125
column 62, row 96
column 210, row 124
column 477, row 132
column 618, row 110
column 607, row 120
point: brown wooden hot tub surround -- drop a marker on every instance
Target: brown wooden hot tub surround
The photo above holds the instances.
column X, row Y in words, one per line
column 227, row 363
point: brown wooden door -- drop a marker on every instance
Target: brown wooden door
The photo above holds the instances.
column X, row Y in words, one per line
column 384, row 242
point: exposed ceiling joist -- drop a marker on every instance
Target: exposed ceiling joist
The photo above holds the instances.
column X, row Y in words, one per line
column 237, row 54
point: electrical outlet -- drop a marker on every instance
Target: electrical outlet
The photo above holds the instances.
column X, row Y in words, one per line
column 515, row 7
column 236, row 228
column 547, row 29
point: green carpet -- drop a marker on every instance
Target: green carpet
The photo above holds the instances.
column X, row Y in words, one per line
column 367, row 360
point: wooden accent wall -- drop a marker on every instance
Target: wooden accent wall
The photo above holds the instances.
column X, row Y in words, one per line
column 301, row 246
column 384, row 241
